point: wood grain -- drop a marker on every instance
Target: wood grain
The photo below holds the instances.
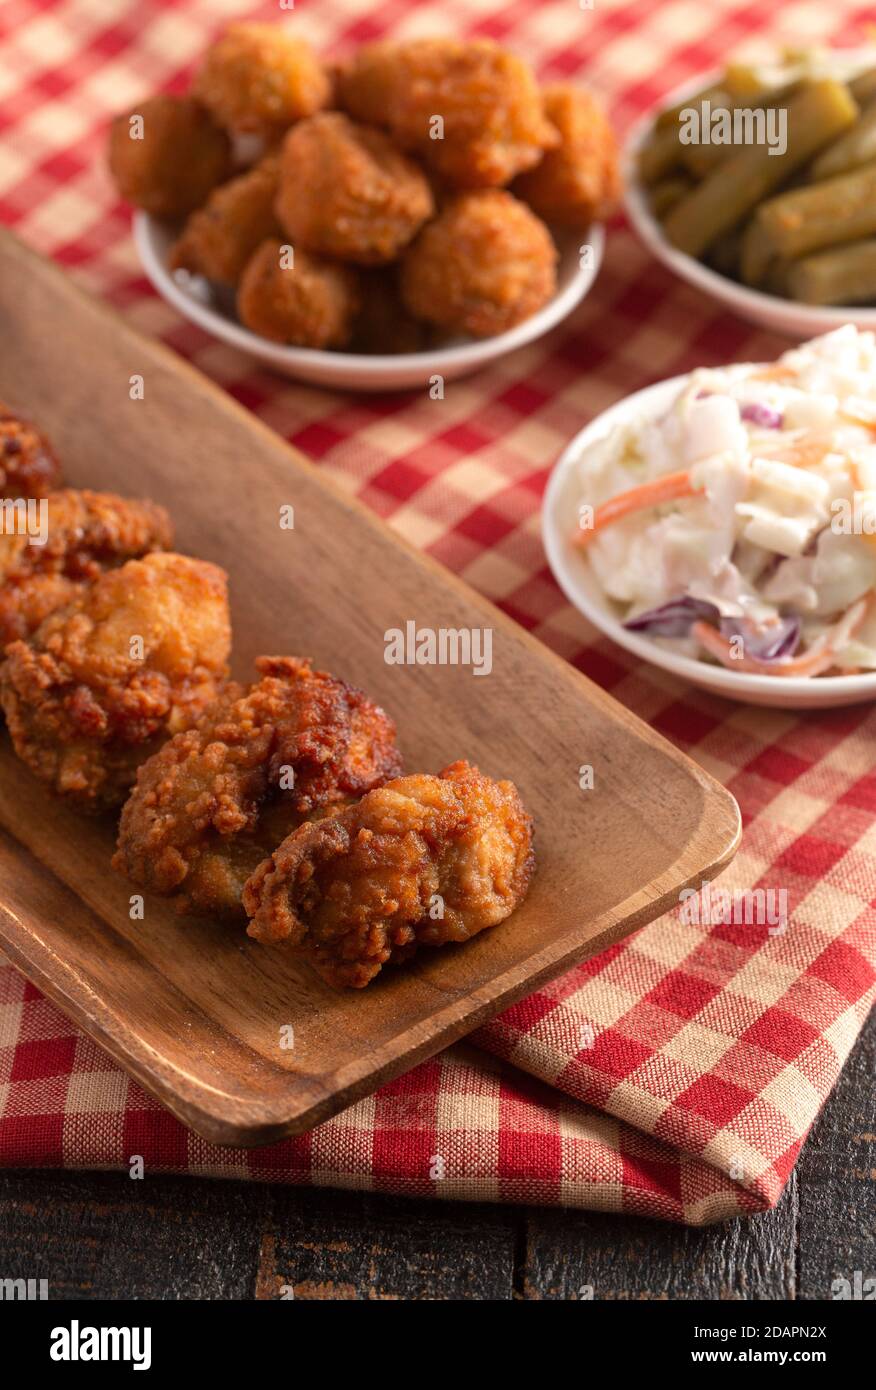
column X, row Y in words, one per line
column 194, row 1010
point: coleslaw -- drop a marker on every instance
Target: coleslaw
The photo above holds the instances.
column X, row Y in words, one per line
column 740, row 526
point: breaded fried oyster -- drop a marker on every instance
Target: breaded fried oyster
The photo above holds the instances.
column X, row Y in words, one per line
column 347, row 192
column 166, row 155
column 421, row 861
column 493, row 124
column 259, row 78
column 86, row 533
column 219, row 239
column 303, row 299
column 579, row 182
column 104, row 681
column 485, row 264
column 210, row 806
column 28, row 466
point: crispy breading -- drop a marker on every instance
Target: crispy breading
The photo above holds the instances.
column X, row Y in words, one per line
column 259, row 78
column 218, row 239
column 492, row 123
column 579, row 182
column 485, row 264
column 87, row 533
column 215, row 801
column 421, row 861
column 309, row 302
column 104, row 681
column 28, row 465
column 347, row 192
column 168, row 166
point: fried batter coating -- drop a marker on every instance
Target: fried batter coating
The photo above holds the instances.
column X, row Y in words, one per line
column 493, row 121
column 347, row 192
column 310, row 303
column 219, row 239
column 87, row 533
column 210, row 806
column 484, row 264
column 419, row 862
column 103, row 682
column 259, row 78
column 28, row 466
column 579, row 182
column 169, row 166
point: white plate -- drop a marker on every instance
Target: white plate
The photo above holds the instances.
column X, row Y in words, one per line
column 766, row 310
column 575, row 577
column 347, row 371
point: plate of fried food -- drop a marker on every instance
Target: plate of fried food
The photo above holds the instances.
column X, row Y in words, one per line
column 757, row 184
column 416, row 210
column 284, row 807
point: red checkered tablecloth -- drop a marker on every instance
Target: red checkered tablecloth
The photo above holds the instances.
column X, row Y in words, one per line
column 678, row 1073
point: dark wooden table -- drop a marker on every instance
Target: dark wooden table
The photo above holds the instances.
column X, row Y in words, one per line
column 102, row 1235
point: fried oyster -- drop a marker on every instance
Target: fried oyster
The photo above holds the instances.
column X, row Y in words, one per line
column 208, row 808
column 105, row 680
column 421, row 861
column 86, row 534
column 28, row 465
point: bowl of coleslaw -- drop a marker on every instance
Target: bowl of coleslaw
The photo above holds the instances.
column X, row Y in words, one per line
column 722, row 525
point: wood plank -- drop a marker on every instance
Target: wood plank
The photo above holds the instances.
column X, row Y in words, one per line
column 194, row 1010
column 837, row 1171
column 104, row 1235
column 351, row 1245
column 628, row 1257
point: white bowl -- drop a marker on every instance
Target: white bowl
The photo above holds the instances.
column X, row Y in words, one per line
column 575, row 577
column 347, row 371
column 767, row 310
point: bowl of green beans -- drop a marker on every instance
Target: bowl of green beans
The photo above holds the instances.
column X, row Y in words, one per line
column 757, row 185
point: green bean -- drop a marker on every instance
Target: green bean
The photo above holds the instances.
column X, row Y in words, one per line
column 659, row 155
column 824, row 214
column 842, row 275
column 756, row 254
column 725, row 253
column 850, row 151
column 666, row 194
column 819, row 112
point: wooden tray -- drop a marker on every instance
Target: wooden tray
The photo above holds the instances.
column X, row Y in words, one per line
column 192, row 1009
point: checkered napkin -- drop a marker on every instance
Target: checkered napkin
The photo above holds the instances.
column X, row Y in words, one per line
column 677, row 1074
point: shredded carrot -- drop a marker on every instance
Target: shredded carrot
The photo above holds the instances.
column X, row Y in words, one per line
column 666, row 489
column 773, row 371
column 820, row 657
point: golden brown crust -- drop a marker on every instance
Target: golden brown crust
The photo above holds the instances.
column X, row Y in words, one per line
column 219, row 239
column 181, row 156
column 308, row 303
column 494, row 125
column 87, row 533
column 347, row 192
column 579, row 182
column 485, row 264
column 421, row 861
column 102, row 682
column 259, row 78
column 28, row 465
column 215, row 800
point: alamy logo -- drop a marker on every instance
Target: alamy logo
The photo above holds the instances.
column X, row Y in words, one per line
column 75, row 1343
column 441, row 646
column 746, row 907
column 716, row 125
column 24, row 1289
column 20, row 516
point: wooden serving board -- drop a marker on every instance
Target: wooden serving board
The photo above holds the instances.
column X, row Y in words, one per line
column 193, row 1009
